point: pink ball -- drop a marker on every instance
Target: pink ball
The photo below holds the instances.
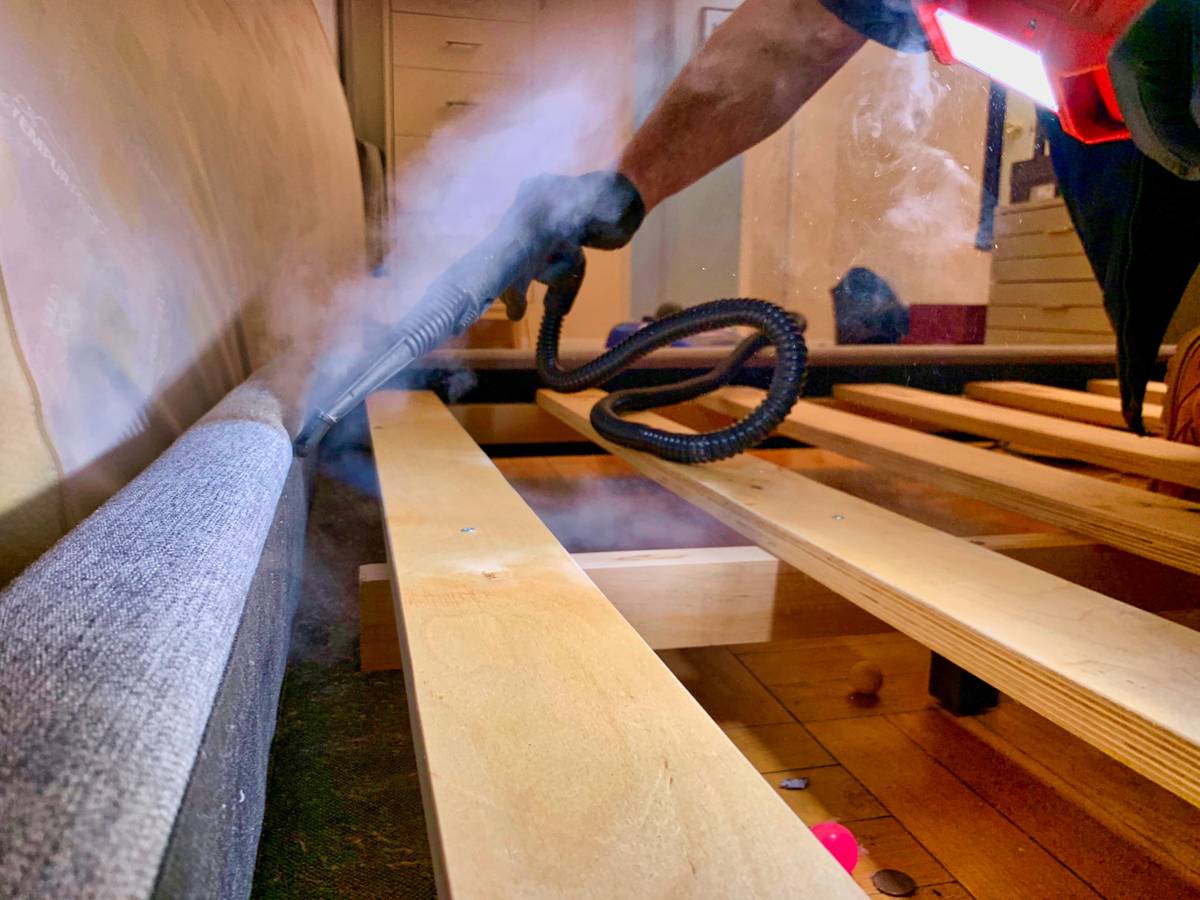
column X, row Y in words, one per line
column 840, row 842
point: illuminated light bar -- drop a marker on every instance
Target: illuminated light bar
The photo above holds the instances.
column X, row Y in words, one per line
column 998, row 57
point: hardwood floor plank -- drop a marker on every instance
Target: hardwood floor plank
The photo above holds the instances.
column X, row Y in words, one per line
column 776, row 748
column 832, row 795
column 723, row 687
column 981, row 849
column 1124, row 801
column 822, row 661
column 820, row 702
column 1114, row 866
column 886, row 844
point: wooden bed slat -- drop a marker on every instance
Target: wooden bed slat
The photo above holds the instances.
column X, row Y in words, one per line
column 1125, row 680
column 558, row 756
column 1152, row 525
column 1078, row 406
column 1152, row 457
column 1156, row 391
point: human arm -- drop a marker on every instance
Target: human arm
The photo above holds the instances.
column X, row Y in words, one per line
column 760, row 66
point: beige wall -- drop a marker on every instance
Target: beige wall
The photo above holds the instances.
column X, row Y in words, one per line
column 174, row 203
column 881, row 169
column 688, row 251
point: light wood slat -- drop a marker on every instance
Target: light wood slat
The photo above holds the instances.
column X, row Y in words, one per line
column 558, row 756
column 1052, row 268
column 1089, row 319
column 1079, row 406
column 1152, row 525
column 1125, row 680
column 1156, row 391
column 1051, row 294
column 1152, row 457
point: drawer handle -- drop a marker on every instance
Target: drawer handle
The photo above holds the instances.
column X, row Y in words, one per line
column 461, row 104
column 466, row 45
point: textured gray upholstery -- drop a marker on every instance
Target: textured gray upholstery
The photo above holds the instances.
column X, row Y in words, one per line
column 214, row 843
column 115, row 650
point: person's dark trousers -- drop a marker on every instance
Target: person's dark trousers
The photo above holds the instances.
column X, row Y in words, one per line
column 1140, row 228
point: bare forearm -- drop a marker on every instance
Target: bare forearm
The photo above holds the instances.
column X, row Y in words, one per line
column 747, row 81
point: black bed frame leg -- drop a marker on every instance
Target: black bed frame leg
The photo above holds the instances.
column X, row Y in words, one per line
column 958, row 690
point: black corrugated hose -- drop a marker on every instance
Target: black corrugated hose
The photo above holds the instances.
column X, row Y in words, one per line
column 775, row 325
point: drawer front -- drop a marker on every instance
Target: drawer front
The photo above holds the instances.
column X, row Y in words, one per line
column 1088, row 319
column 1050, row 268
column 1046, row 243
column 1059, row 294
column 461, row 45
column 424, row 100
column 500, row 10
column 1033, row 218
column 1013, row 336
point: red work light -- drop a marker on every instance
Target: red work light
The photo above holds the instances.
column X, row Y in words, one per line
column 1054, row 52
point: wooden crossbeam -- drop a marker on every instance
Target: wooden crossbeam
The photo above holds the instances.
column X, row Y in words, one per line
column 558, row 755
column 1152, row 525
column 1125, row 680
column 1152, row 457
column 1078, row 406
column 1156, row 391
column 704, row 597
column 693, row 597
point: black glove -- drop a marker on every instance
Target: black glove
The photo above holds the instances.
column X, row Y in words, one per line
column 555, row 216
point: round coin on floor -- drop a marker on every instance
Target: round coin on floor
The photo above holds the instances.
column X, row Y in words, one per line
column 894, row 883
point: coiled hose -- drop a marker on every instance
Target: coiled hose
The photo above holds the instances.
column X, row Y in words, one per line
column 776, row 327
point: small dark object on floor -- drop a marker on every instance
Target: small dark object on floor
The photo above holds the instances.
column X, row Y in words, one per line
column 794, row 784
column 894, row 883
column 959, row 692
column 865, row 678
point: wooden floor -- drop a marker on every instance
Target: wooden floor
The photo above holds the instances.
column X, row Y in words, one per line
column 1005, row 805
column 1002, row 806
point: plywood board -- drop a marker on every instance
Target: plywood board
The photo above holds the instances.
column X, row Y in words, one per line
column 1125, row 680
column 558, row 756
column 1151, row 525
column 1151, row 457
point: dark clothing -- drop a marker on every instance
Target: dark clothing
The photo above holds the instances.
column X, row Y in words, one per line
column 1138, row 223
column 1140, row 228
